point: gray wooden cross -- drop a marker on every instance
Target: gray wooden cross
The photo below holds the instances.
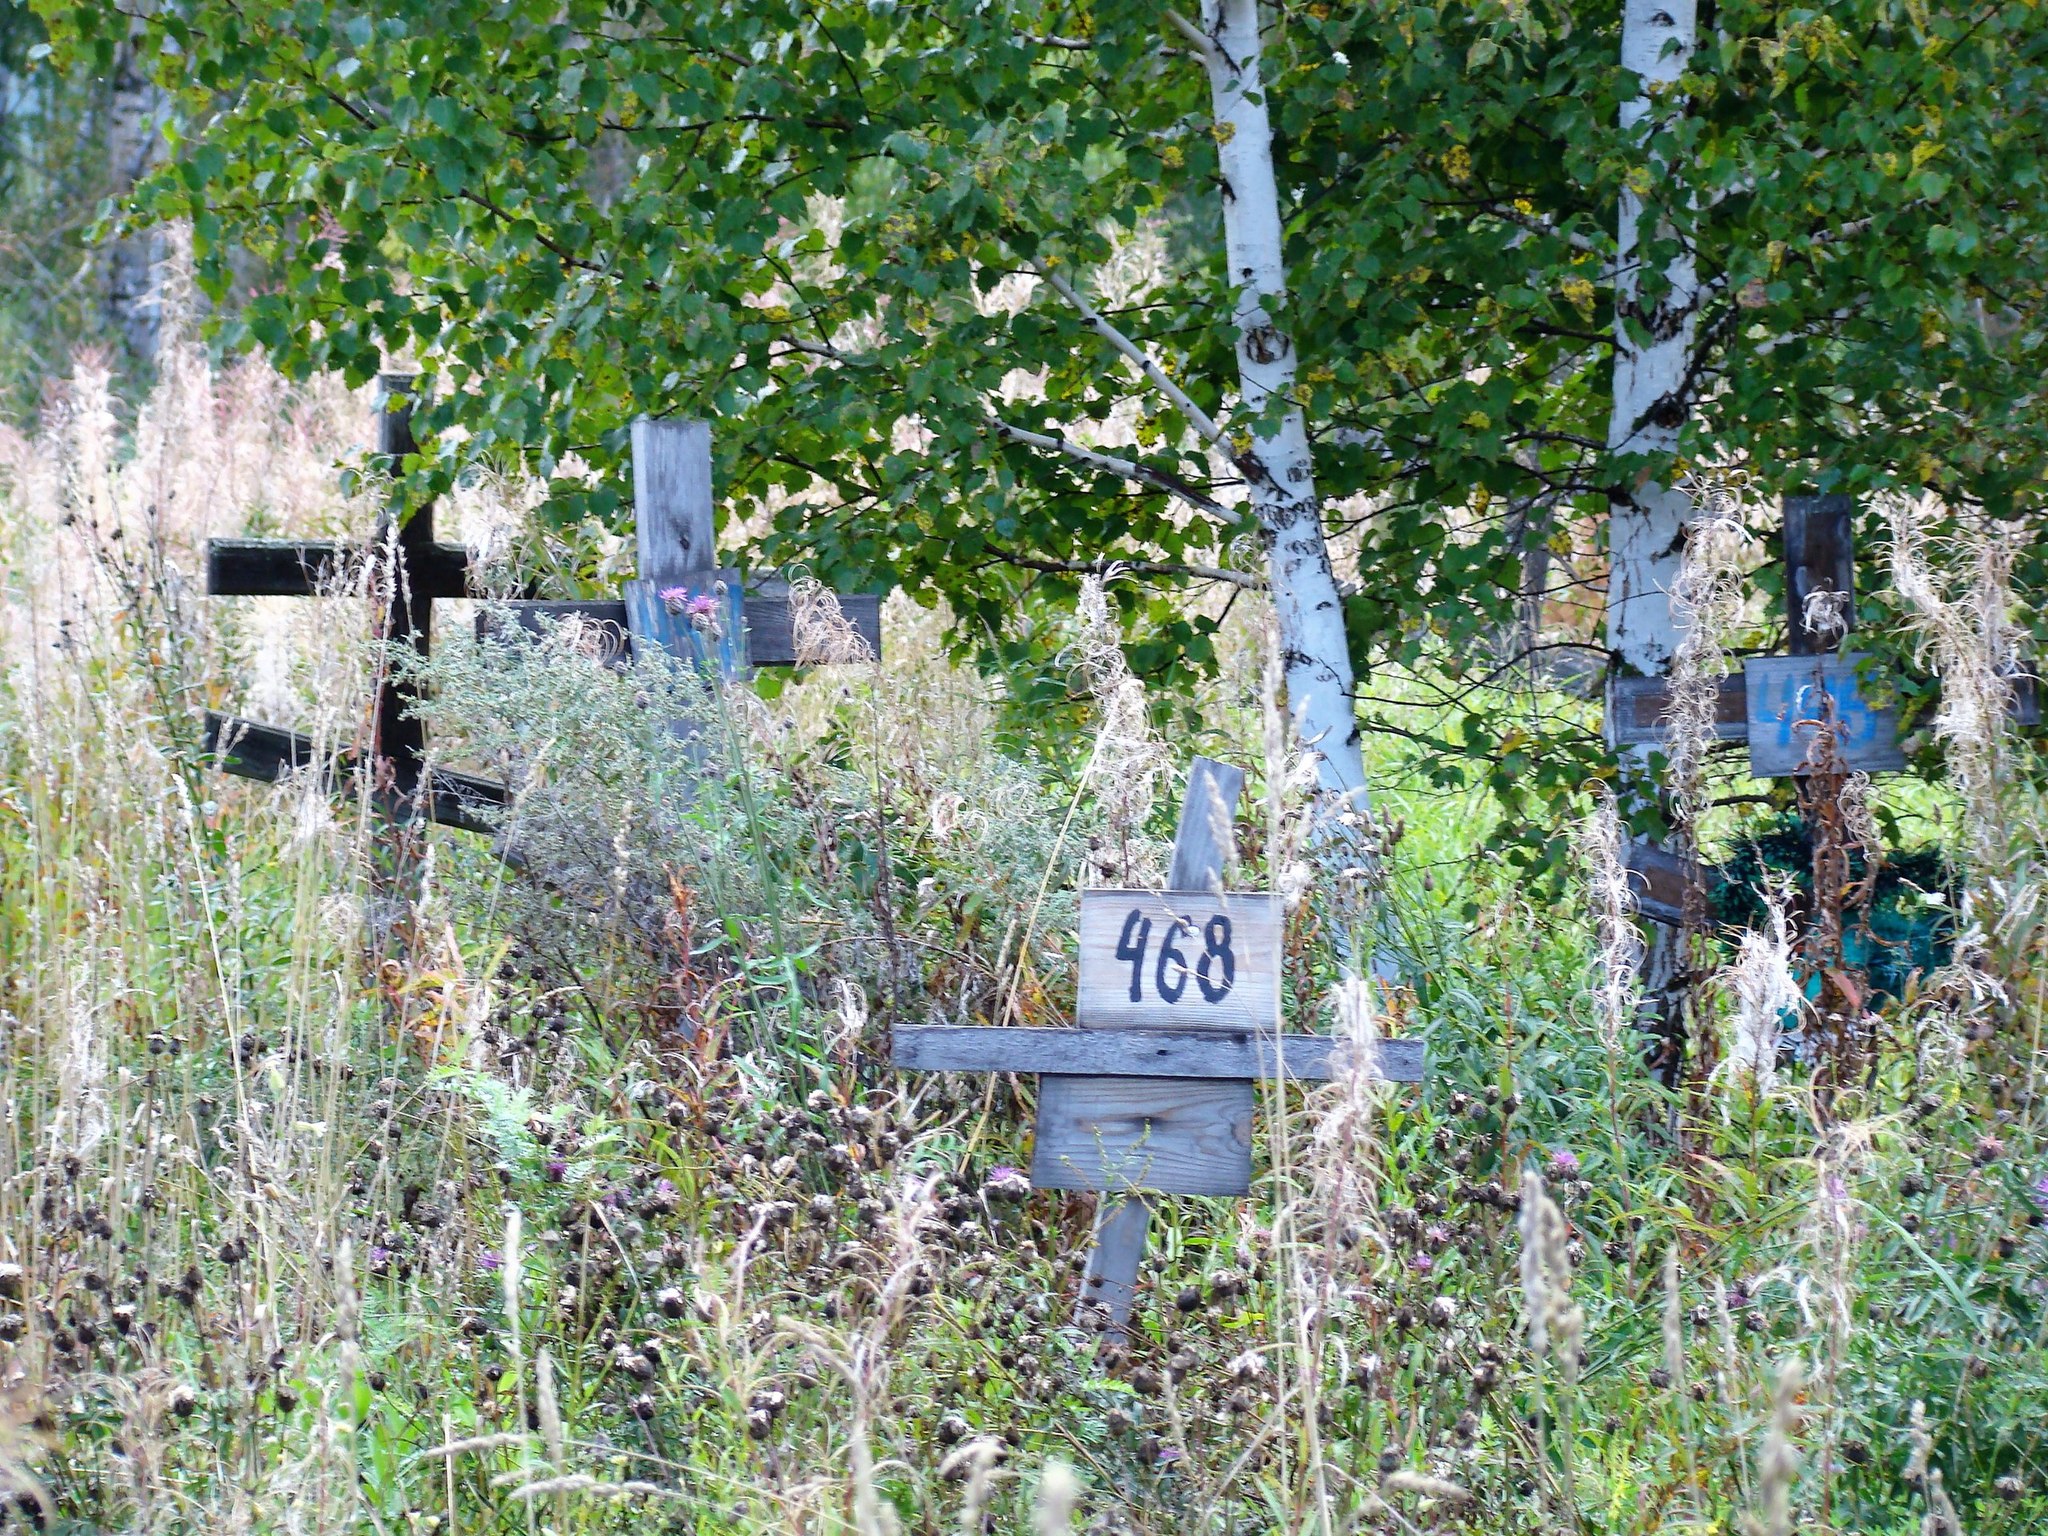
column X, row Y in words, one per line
column 1179, row 1008
column 1773, row 703
column 673, row 523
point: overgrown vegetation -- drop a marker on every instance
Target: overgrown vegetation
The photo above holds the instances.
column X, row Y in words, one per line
column 577, row 1195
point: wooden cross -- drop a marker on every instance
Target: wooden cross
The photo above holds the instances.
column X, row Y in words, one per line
column 1774, row 702
column 675, row 531
column 679, row 556
column 1179, row 1013
column 410, row 572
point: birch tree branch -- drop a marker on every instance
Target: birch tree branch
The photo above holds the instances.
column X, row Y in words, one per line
column 1203, row 422
column 1128, row 469
column 1244, row 580
column 1211, row 54
column 1536, row 224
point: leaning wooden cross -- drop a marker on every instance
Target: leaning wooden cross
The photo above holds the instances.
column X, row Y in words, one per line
column 1775, row 703
column 1179, row 1013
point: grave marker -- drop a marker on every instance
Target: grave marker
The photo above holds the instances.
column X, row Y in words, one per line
column 675, row 532
column 1179, row 1014
column 1775, row 703
column 677, row 540
column 410, row 571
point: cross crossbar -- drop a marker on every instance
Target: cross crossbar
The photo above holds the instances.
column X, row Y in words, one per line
column 771, row 632
column 251, row 750
column 311, row 567
column 1208, row 1053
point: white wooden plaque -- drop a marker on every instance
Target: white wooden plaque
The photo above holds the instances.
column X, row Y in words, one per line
column 1180, row 960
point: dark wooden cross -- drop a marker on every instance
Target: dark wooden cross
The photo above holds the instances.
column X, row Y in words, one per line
column 409, row 571
column 1179, row 1013
column 1775, row 702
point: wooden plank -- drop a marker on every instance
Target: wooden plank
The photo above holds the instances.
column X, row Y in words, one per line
column 1820, row 556
column 276, row 567
column 672, row 507
column 1229, row 1055
column 1179, row 960
column 771, row 636
column 1786, row 696
column 1658, row 879
column 1168, row 1136
column 770, row 640
column 1636, row 709
column 1205, row 837
column 714, row 640
column 1111, row 1279
column 320, row 567
column 251, row 750
column 606, row 623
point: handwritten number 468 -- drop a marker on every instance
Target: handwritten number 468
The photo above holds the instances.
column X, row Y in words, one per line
column 1215, row 969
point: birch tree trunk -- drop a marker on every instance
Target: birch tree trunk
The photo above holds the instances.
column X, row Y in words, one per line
column 1652, row 359
column 1653, row 345
column 134, row 139
column 1276, row 462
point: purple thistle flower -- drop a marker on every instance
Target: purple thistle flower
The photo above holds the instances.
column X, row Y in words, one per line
column 673, row 598
column 488, row 1261
column 1564, row 1164
column 1006, row 1183
column 558, row 1169
column 2041, row 1193
column 1422, row 1264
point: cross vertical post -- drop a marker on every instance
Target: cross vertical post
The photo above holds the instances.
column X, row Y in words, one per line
column 1201, row 856
column 398, row 741
column 1820, row 556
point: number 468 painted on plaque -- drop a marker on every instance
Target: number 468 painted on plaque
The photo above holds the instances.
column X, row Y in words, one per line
column 1180, row 960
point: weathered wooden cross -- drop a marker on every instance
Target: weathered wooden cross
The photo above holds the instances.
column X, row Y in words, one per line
column 677, row 543
column 679, row 565
column 1179, row 1013
column 1775, row 703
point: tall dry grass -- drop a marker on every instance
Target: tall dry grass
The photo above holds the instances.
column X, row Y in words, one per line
column 597, row 1209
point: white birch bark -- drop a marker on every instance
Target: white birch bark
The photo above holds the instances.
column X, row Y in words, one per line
column 1646, row 522
column 1652, row 358
column 1277, row 464
column 134, row 140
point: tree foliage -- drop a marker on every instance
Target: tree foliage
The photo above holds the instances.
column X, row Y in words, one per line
column 810, row 221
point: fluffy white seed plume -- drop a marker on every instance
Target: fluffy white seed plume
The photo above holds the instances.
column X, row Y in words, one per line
column 1706, row 601
column 1601, row 844
column 1059, row 1491
column 1554, row 1321
column 548, row 1409
column 1778, row 1466
column 824, row 636
column 1970, row 642
column 1765, row 993
column 1674, row 1321
column 1343, row 1152
column 1128, row 762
